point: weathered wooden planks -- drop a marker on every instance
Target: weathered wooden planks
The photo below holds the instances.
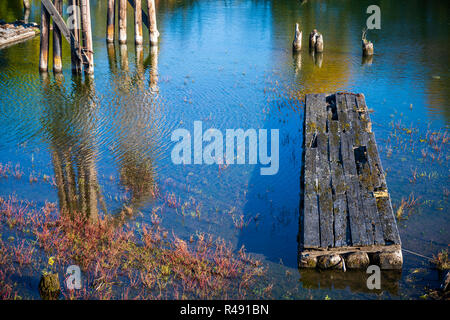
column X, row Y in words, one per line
column 12, row 33
column 345, row 198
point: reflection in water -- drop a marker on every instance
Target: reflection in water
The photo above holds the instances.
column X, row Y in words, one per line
column 229, row 71
column 26, row 14
column 68, row 125
column 152, row 60
column 318, row 58
column 138, row 146
column 355, row 280
column 367, row 60
column 297, row 60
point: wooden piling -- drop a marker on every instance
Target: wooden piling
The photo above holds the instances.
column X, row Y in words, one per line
column 26, row 15
column 122, row 21
column 318, row 59
column 153, row 30
column 347, row 216
column 138, row 38
column 367, row 46
column 86, row 32
column 318, row 46
column 45, row 35
column 26, row 4
column 74, row 57
column 154, row 69
column 57, row 41
column 312, row 39
column 110, row 21
column 297, row 43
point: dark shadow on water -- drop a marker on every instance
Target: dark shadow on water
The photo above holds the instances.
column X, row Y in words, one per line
column 355, row 280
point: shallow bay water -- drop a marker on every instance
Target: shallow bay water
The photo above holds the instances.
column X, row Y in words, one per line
column 230, row 65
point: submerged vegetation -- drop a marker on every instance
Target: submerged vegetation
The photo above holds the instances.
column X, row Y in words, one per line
column 128, row 261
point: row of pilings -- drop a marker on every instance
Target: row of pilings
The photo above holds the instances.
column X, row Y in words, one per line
column 316, row 42
column 140, row 16
column 78, row 30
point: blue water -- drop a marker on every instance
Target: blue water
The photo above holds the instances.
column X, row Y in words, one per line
column 229, row 64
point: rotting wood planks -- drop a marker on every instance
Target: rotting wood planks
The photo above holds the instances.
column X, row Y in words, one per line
column 346, row 206
column 13, row 33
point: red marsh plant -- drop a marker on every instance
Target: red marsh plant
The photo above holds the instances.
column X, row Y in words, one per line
column 125, row 261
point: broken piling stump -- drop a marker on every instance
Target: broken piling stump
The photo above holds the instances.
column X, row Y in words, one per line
column 346, row 207
column 49, row 287
column 367, row 46
column 297, row 43
column 312, row 39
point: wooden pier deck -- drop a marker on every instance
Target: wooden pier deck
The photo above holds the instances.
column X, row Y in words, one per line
column 347, row 219
column 12, row 33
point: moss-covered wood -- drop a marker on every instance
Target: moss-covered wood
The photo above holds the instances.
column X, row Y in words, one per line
column 345, row 202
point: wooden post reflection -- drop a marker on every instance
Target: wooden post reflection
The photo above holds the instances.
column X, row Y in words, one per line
column 154, row 69
column 73, row 154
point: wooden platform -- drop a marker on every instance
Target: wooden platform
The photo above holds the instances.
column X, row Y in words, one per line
column 347, row 216
column 12, row 33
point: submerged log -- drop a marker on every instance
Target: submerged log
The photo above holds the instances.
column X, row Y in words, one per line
column 297, row 44
column 153, row 30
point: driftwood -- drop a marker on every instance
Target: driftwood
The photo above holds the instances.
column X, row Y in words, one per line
column 297, row 43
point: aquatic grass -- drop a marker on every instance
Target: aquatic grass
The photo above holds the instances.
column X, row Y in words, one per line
column 129, row 261
column 406, row 205
column 440, row 261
